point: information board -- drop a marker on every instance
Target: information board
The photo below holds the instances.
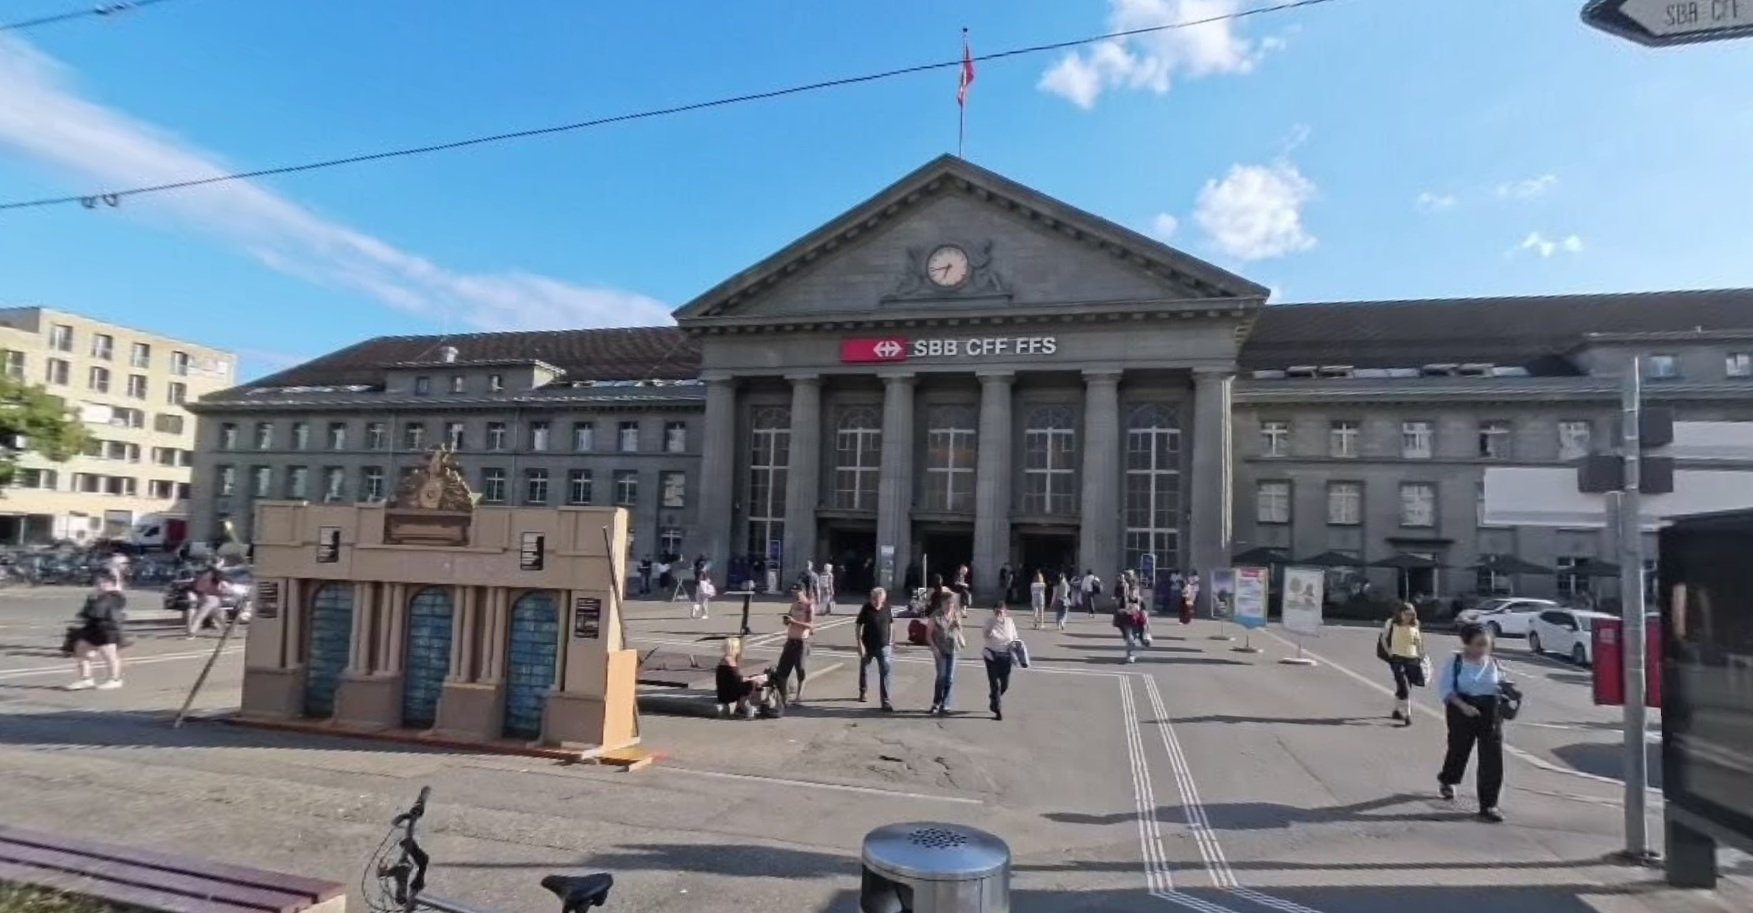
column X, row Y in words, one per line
column 587, row 618
column 1300, row 604
column 1251, row 587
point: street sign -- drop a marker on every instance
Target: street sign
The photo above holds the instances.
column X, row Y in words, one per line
column 1660, row 23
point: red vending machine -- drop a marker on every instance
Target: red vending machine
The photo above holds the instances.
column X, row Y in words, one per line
column 1609, row 662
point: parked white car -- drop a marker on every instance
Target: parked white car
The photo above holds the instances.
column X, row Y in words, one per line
column 1509, row 615
column 1566, row 632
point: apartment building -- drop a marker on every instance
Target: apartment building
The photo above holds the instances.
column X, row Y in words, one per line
column 129, row 387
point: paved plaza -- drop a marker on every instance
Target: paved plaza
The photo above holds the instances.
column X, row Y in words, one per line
column 1198, row 777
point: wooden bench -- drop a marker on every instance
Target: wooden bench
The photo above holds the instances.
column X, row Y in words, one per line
column 156, row 881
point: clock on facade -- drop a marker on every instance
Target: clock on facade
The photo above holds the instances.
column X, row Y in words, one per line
column 947, row 267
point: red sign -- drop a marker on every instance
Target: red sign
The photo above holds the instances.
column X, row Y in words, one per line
column 865, row 351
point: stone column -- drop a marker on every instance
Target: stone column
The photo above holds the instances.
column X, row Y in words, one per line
column 895, row 487
column 1099, row 537
column 359, row 658
column 992, row 484
column 718, row 482
column 1209, row 538
column 803, row 474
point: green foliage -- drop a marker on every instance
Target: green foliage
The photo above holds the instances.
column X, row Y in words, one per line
column 24, row 899
column 34, row 421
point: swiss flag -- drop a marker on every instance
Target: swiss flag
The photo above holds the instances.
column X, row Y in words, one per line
column 866, row 351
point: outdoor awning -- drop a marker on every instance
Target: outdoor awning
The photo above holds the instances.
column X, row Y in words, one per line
column 1406, row 562
column 1330, row 559
column 1508, row 564
column 1593, row 567
column 1262, row 555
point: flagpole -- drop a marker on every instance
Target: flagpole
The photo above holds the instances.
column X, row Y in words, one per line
column 962, row 102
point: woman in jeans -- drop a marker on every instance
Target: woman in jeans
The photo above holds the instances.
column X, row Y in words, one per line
column 943, row 632
column 1131, row 619
column 1061, row 600
column 996, row 640
column 1038, row 600
column 1404, row 645
column 1470, row 685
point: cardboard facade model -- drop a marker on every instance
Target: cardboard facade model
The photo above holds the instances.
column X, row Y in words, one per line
column 433, row 504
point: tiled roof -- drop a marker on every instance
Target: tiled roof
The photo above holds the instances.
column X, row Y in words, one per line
column 1503, row 331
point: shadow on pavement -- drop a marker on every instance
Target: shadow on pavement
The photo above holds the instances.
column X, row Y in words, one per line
column 101, row 728
column 1286, row 721
column 1607, row 759
column 1245, row 816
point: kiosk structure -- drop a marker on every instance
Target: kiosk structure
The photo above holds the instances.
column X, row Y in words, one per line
column 431, row 614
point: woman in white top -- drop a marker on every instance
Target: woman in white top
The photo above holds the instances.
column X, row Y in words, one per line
column 1038, row 600
column 996, row 641
column 703, row 593
column 1471, row 686
column 1061, row 600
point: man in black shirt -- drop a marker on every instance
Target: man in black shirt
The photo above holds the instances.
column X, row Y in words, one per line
column 875, row 635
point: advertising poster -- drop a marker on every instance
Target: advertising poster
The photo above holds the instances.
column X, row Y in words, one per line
column 1301, row 605
column 1250, row 598
column 1223, row 593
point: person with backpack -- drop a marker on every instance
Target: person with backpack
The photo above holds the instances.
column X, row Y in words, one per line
column 1131, row 619
column 1477, row 697
column 1401, row 646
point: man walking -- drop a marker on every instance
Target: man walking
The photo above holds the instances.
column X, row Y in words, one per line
column 800, row 624
column 875, row 637
column 645, row 576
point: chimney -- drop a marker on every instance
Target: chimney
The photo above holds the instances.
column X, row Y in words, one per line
column 447, row 354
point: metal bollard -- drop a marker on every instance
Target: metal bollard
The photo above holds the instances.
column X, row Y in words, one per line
column 924, row 867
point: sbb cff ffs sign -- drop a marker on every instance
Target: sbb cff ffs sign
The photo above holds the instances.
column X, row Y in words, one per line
column 900, row 348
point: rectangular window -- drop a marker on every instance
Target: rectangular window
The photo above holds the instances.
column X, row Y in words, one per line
column 1495, row 438
column 1275, row 439
column 300, row 435
column 496, row 435
column 167, row 423
column 261, row 481
column 493, row 485
column 164, row 456
column 1488, row 582
column 1418, row 505
column 1571, row 585
column 371, row 483
column 128, row 418
column 669, row 541
column 297, row 483
column 57, row 371
column 769, row 455
column 15, row 364
column 227, row 481
column 422, row 386
column 453, row 435
column 578, row 486
column 626, row 487
column 61, row 338
column 176, row 393
column 1416, row 440
column 137, row 386
column 98, row 379
column 1662, row 367
column 495, row 383
column 160, row 489
column 376, row 436
column 1344, row 503
column 535, row 486
column 179, row 364
column 857, row 458
column 337, row 436
column 1272, row 502
column 1738, row 364
column 139, row 355
column 1049, row 461
column 1574, row 439
column 264, row 435
column 103, row 346
column 673, row 488
column 1151, row 499
column 43, row 479
column 334, row 483
column 584, row 436
column 675, row 437
column 1342, row 438
column 228, row 436
column 628, row 437
column 458, row 383
column 414, row 436
column 539, row 436
column 950, row 455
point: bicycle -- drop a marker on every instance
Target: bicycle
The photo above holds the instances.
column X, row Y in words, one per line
column 402, row 884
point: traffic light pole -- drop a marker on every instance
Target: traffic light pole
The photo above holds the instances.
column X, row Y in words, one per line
column 1632, row 628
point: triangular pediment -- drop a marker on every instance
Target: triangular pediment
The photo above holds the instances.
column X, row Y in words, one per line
column 1008, row 245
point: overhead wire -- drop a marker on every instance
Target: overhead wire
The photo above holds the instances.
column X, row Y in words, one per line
column 113, row 197
column 101, row 10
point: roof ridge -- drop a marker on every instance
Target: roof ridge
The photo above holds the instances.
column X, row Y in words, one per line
column 1555, row 296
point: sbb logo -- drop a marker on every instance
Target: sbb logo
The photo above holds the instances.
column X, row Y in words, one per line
column 866, row 351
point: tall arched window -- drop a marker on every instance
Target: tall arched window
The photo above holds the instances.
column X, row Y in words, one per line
column 1153, row 486
column 951, row 438
column 1049, row 461
column 858, row 440
column 769, row 455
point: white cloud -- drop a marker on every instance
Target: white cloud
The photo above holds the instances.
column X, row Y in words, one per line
column 45, row 120
column 1164, row 225
column 1151, row 62
column 1430, row 201
column 1527, row 188
column 1255, row 212
column 1545, row 247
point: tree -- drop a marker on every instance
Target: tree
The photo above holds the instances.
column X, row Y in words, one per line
column 34, row 421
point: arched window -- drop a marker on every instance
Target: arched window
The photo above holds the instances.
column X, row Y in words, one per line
column 1049, row 461
column 858, row 440
column 951, row 438
column 1152, row 506
column 769, row 455
column 331, row 638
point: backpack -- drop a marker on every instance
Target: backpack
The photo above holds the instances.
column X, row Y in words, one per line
column 1509, row 697
column 916, row 634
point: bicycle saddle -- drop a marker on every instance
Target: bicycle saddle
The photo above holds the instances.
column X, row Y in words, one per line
column 580, row 892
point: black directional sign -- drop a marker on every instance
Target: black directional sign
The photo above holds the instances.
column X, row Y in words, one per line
column 1660, row 23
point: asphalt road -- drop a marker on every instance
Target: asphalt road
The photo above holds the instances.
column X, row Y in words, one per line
column 1199, row 777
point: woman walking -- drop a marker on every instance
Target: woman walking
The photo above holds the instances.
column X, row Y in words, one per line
column 1131, row 619
column 1061, row 600
column 943, row 632
column 1471, row 686
column 1403, row 648
column 1038, row 600
column 703, row 593
column 997, row 639
column 99, row 633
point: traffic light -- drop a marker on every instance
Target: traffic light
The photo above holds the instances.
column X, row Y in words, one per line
column 1603, row 472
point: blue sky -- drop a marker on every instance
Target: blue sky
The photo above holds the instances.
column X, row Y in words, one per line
column 1358, row 149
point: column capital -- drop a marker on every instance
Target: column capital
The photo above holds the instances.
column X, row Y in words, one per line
column 899, row 378
column 996, row 375
column 1213, row 372
column 804, row 378
column 716, row 379
column 1101, row 376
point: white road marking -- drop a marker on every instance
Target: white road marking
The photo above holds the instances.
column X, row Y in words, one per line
column 816, row 784
column 769, row 638
column 65, row 667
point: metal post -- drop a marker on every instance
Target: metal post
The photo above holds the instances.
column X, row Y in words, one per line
column 1632, row 612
